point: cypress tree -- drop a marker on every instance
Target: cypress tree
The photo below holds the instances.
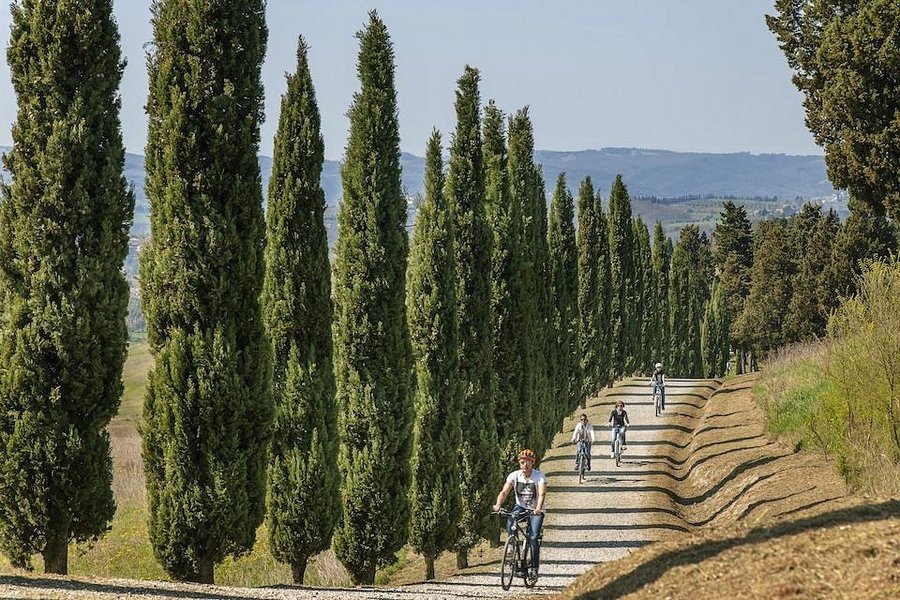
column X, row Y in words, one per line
column 645, row 309
column 372, row 352
column 686, row 291
column 523, row 190
column 808, row 311
column 604, row 295
column 564, row 285
column 466, row 195
column 661, row 262
column 714, row 333
column 433, row 331
column 303, row 482
column 589, row 264
column 622, row 309
column 64, row 223
column 208, row 405
column 511, row 411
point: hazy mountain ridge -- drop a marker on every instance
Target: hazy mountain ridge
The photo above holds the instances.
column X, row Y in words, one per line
column 647, row 172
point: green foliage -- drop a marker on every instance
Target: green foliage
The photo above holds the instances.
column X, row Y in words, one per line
column 841, row 396
column 564, row 286
column 587, row 241
column 686, row 291
column 662, row 256
column 714, row 333
column 762, row 323
column 623, row 308
column 372, row 352
column 303, row 480
column 208, row 408
column 64, row 224
column 512, row 411
column 431, row 306
column 467, row 196
column 733, row 255
column 812, row 298
column 845, row 59
column 645, row 297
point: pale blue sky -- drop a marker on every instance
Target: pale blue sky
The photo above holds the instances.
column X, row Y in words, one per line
column 686, row 75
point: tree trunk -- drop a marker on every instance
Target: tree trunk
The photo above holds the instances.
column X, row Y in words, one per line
column 205, row 570
column 429, row 567
column 298, row 569
column 462, row 559
column 56, row 557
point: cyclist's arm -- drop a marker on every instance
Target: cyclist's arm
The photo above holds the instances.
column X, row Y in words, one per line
column 541, row 492
column 502, row 496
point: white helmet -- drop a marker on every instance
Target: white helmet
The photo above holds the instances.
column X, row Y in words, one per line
column 659, row 365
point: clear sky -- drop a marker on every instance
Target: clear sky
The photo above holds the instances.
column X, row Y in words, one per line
column 686, row 75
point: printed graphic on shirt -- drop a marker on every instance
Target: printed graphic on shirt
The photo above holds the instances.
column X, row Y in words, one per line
column 526, row 487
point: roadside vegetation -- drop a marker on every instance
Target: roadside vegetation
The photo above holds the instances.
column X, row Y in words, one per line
column 841, row 395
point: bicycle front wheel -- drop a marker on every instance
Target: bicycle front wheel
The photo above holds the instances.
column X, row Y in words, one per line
column 528, row 576
column 508, row 566
column 618, row 449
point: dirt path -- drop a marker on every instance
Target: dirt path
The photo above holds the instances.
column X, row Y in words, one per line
column 616, row 511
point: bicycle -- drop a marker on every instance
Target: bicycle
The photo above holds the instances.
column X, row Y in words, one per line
column 516, row 553
column 584, row 459
column 657, row 398
column 617, row 445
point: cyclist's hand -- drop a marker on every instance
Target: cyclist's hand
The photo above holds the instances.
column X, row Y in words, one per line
column 538, row 512
column 495, row 508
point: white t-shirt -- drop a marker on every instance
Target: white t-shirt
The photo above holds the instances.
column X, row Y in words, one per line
column 526, row 487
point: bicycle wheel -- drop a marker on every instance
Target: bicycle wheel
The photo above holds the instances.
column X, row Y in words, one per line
column 618, row 449
column 508, row 566
column 528, row 576
column 582, row 464
column 656, row 399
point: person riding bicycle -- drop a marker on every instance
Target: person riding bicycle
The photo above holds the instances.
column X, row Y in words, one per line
column 583, row 436
column 618, row 420
column 658, row 383
column 531, row 488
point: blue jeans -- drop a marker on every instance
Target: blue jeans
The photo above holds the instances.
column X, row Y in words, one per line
column 612, row 439
column 587, row 450
column 662, row 394
column 535, row 522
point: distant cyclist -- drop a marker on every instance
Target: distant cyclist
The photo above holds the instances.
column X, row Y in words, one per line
column 583, row 436
column 658, row 383
column 618, row 420
column 531, row 489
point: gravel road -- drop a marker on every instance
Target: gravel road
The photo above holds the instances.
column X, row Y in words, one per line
column 611, row 514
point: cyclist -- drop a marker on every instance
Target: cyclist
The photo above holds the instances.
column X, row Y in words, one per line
column 618, row 420
column 531, row 488
column 658, row 383
column 583, row 435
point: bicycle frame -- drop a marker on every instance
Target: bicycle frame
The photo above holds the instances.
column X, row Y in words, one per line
column 516, row 552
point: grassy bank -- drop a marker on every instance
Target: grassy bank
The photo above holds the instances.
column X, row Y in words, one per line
column 842, row 395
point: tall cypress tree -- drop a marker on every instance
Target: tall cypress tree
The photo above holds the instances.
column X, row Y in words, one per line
column 661, row 260
column 564, row 285
column 686, row 302
column 810, row 302
column 466, row 195
column 433, row 330
column 622, row 309
column 372, row 352
column 523, row 189
column 303, row 483
column 589, row 264
column 208, row 405
column 645, row 297
column 603, row 295
column 64, row 224
column 511, row 411
column 714, row 333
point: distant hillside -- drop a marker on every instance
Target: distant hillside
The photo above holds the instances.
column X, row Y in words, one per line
column 659, row 173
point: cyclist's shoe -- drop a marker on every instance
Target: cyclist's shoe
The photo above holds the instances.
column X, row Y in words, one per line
column 532, row 573
column 624, row 448
column 612, row 454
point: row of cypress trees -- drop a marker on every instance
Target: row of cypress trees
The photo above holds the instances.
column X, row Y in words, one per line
column 506, row 319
